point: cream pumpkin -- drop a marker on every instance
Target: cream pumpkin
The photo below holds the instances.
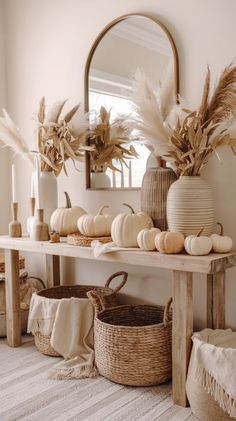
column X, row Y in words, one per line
column 64, row 219
column 98, row 225
column 146, row 238
column 169, row 242
column 220, row 242
column 126, row 226
column 198, row 245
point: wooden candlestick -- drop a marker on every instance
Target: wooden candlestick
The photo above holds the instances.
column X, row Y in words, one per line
column 40, row 230
column 15, row 226
column 31, row 219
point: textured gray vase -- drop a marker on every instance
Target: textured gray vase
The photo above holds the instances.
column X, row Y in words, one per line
column 155, row 185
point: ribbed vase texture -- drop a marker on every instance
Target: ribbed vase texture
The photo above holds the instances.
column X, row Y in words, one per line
column 155, row 185
column 190, row 206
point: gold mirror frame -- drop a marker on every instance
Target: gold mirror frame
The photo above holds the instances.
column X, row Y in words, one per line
column 86, row 82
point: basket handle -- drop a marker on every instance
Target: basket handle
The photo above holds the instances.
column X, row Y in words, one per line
column 167, row 315
column 96, row 300
column 121, row 273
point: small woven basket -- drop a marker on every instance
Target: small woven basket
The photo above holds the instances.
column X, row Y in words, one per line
column 108, row 297
column 83, row 241
column 133, row 344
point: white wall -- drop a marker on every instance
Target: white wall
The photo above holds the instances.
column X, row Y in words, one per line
column 47, row 46
column 4, row 153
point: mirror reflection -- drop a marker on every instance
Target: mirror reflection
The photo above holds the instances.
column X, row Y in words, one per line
column 128, row 44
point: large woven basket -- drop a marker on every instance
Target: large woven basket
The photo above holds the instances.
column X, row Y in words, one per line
column 107, row 295
column 133, row 344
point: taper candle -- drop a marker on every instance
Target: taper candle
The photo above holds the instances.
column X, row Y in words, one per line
column 38, row 197
column 13, row 179
column 32, row 188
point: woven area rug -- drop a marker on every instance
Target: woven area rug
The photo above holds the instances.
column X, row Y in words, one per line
column 27, row 394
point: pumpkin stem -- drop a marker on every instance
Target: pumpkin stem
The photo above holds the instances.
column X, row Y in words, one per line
column 101, row 209
column 199, row 232
column 130, row 207
column 68, row 201
column 221, row 228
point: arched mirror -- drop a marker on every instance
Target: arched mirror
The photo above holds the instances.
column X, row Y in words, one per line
column 128, row 43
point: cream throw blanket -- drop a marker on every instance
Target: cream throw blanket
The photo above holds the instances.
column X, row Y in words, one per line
column 69, row 321
column 99, row 248
column 214, row 353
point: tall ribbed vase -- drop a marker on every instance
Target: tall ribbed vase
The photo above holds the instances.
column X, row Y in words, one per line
column 190, row 206
column 155, row 185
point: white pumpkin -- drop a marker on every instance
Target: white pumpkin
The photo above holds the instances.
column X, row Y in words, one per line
column 64, row 219
column 198, row 245
column 220, row 242
column 126, row 226
column 146, row 238
column 98, row 225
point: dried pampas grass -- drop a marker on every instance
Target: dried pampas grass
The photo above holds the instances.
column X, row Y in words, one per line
column 11, row 137
column 187, row 138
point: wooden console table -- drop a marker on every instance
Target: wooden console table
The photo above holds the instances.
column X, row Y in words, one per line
column 182, row 266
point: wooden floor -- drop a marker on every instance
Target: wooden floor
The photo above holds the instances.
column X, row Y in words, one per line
column 27, row 393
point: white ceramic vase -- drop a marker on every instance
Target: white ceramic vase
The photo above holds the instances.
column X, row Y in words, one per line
column 190, row 206
column 100, row 180
column 49, row 191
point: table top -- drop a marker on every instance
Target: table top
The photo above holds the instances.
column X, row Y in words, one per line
column 211, row 263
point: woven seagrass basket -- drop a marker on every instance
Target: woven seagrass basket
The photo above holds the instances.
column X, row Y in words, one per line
column 133, row 344
column 108, row 297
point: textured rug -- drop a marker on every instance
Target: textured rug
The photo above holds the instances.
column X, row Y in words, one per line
column 27, row 394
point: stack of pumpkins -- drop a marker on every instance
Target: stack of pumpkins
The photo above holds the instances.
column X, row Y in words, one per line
column 134, row 229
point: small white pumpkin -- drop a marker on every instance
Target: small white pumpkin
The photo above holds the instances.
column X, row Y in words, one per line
column 126, row 226
column 220, row 242
column 146, row 238
column 98, row 225
column 198, row 245
column 64, row 219
column 168, row 242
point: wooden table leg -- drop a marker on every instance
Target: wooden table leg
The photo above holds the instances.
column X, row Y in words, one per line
column 209, row 300
column 12, row 298
column 182, row 332
column 52, row 270
column 219, row 300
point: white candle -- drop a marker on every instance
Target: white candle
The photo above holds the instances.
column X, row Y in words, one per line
column 38, row 185
column 13, row 180
column 32, row 189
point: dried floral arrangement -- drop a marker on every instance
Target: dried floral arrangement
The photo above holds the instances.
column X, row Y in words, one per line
column 58, row 140
column 183, row 137
column 109, row 141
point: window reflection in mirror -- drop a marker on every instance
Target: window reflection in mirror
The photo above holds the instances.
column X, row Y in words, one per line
column 131, row 43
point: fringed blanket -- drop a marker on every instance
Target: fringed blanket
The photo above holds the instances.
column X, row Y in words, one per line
column 69, row 321
column 215, row 365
